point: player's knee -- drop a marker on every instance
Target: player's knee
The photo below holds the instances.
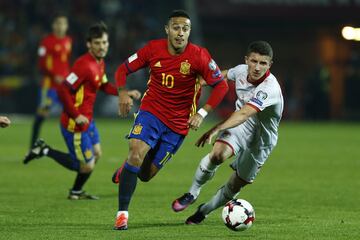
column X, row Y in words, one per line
column 97, row 155
column 87, row 168
column 134, row 159
column 217, row 157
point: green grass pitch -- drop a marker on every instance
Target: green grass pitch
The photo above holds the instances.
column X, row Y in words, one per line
column 308, row 189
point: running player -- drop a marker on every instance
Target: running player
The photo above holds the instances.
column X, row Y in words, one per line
column 168, row 108
column 78, row 93
column 249, row 134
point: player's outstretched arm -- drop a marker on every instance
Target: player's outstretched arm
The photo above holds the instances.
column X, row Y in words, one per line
column 234, row 120
column 4, row 122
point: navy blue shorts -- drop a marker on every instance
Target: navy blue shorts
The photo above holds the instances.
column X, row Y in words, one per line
column 80, row 144
column 163, row 141
column 48, row 97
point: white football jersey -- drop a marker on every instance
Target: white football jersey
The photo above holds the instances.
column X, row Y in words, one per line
column 266, row 98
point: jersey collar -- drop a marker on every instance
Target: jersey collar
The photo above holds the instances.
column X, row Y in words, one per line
column 261, row 79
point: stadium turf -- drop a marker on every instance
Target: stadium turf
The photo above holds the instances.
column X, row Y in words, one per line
column 308, row 189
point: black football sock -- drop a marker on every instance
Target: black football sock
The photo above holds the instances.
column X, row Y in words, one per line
column 80, row 180
column 63, row 159
column 127, row 185
column 36, row 129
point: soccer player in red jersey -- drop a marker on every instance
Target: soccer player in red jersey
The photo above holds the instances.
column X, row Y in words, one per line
column 168, row 108
column 78, row 94
column 54, row 53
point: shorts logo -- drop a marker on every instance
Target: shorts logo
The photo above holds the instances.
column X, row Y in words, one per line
column 137, row 129
column 185, row 68
column 88, row 154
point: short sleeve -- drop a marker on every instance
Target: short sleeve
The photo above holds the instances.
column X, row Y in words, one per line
column 233, row 72
column 77, row 76
column 139, row 59
column 265, row 95
column 209, row 70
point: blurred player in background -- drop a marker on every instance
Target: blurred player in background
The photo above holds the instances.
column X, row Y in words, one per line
column 168, row 108
column 4, row 122
column 249, row 134
column 54, row 53
column 78, row 94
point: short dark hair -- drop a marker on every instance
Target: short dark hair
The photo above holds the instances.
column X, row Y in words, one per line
column 260, row 47
column 59, row 15
column 179, row 13
column 96, row 31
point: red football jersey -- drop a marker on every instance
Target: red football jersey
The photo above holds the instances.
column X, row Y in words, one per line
column 86, row 77
column 54, row 54
column 173, row 87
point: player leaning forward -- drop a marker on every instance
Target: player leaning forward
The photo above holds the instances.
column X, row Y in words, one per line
column 168, row 107
column 250, row 133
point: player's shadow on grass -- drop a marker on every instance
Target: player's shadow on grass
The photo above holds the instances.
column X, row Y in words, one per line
column 156, row 225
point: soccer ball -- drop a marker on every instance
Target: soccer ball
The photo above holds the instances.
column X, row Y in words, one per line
column 238, row 214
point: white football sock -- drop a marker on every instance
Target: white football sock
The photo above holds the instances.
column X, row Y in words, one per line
column 222, row 196
column 123, row 212
column 204, row 172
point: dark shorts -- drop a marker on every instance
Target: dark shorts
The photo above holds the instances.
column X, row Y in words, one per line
column 81, row 144
column 163, row 141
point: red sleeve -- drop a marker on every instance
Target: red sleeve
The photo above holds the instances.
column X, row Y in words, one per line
column 43, row 52
column 136, row 61
column 78, row 74
column 209, row 70
column 217, row 94
column 212, row 74
column 109, row 88
column 64, row 92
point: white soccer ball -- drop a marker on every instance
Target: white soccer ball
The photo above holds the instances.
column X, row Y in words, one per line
column 238, row 214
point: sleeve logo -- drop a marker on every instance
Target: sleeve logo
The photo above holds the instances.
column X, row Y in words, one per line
column 212, row 65
column 72, row 78
column 133, row 57
column 261, row 95
column 41, row 51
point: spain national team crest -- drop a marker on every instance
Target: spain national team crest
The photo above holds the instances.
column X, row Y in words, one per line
column 185, row 68
column 137, row 129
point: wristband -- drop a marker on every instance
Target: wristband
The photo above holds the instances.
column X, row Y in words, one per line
column 202, row 112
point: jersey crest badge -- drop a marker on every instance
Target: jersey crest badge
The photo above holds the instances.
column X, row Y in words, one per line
column 158, row 64
column 137, row 129
column 185, row 68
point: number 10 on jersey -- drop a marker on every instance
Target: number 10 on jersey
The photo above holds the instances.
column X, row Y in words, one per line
column 167, row 80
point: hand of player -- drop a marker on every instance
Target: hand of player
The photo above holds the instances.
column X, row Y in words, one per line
column 195, row 121
column 207, row 137
column 81, row 120
column 125, row 103
column 58, row 79
column 4, row 122
column 135, row 94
